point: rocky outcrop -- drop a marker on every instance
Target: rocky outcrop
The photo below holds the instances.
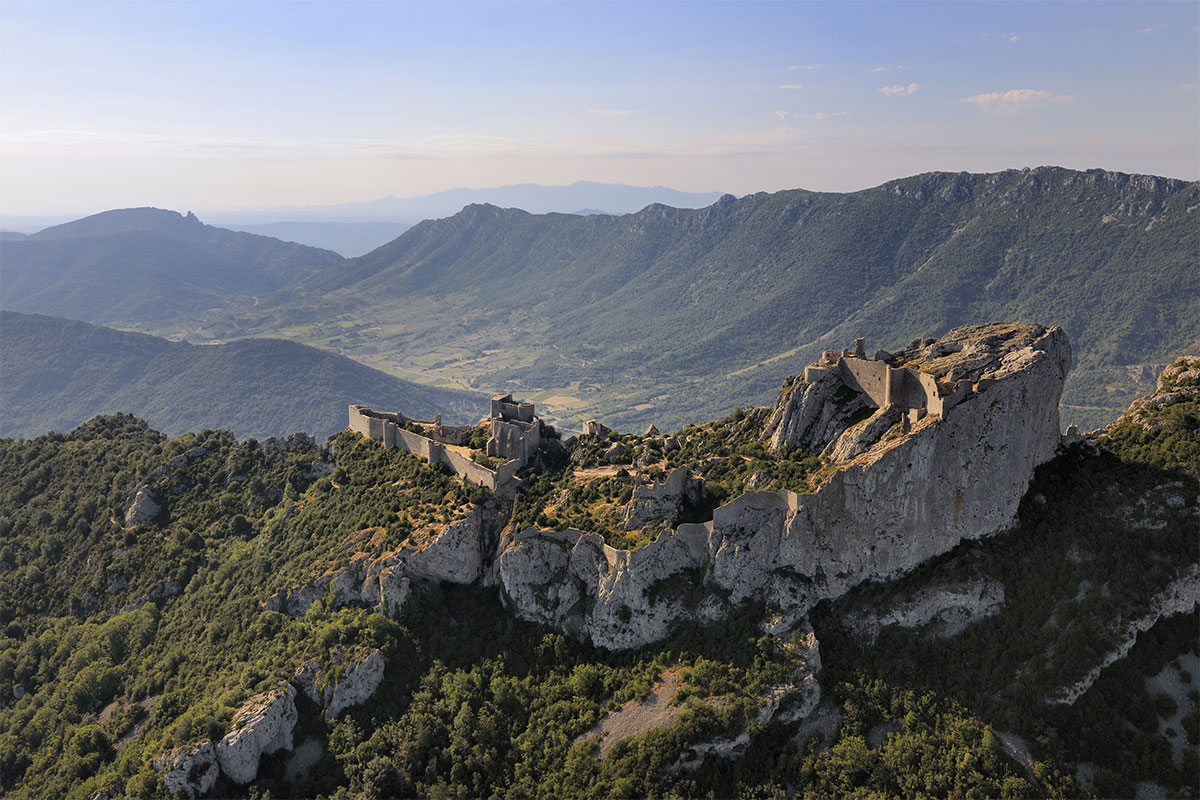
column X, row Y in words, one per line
column 190, row 772
column 1178, row 382
column 1180, row 597
column 453, row 555
column 263, row 725
column 907, row 498
column 948, row 609
column 357, row 682
column 164, row 590
column 662, row 500
column 145, row 504
column 813, row 415
column 144, row 508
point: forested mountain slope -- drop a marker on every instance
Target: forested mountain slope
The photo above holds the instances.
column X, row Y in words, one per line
column 56, row 373
column 675, row 310
column 131, row 633
column 146, row 265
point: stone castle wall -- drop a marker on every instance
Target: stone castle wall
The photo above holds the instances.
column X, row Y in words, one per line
column 381, row 427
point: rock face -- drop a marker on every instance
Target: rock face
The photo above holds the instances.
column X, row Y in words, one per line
column 189, row 773
column 360, row 680
column 144, row 508
column 263, row 724
column 950, row 608
column 453, row 555
column 918, row 491
column 663, row 500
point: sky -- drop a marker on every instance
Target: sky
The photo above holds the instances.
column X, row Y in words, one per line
column 220, row 106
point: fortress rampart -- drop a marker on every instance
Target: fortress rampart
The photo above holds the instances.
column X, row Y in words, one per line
column 515, row 436
column 917, row 393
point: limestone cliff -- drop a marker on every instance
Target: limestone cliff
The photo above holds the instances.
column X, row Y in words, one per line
column 335, row 690
column 976, row 411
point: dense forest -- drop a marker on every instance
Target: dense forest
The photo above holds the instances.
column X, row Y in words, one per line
column 123, row 639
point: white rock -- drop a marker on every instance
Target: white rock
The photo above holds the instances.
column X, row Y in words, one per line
column 1180, row 597
column 263, row 724
column 145, row 507
column 900, row 503
column 361, row 679
column 189, row 773
column 953, row 608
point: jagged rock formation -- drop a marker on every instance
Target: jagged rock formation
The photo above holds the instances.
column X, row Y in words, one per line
column 956, row 472
column 453, row 555
column 144, row 508
column 662, row 500
column 190, row 772
column 263, row 724
column 356, row 685
column 950, row 608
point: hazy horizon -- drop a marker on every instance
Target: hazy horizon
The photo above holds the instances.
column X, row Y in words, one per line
column 221, row 107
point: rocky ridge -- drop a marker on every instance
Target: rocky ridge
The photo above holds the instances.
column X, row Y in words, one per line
column 262, row 725
column 901, row 486
column 910, row 495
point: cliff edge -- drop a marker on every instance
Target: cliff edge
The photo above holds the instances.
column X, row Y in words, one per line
column 922, row 449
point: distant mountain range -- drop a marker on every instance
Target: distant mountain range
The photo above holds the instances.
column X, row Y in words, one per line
column 346, row 238
column 607, row 198
column 674, row 314
column 57, row 373
column 668, row 314
column 146, row 265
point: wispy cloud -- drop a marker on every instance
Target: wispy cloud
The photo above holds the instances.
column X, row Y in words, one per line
column 805, row 66
column 1011, row 37
column 1015, row 101
column 1147, row 30
column 880, row 69
column 899, row 89
column 791, row 86
column 610, row 112
column 1188, row 87
column 830, row 114
column 780, row 113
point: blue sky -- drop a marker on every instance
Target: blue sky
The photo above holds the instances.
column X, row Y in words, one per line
column 219, row 106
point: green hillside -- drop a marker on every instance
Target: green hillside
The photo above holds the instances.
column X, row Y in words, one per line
column 146, row 265
column 120, row 643
column 56, row 373
column 668, row 315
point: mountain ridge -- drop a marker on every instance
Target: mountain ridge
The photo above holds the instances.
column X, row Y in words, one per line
column 1110, row 256
column 58, row 373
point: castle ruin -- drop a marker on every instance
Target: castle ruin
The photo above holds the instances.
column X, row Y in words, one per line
column 916, row 393
column 516, row 433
